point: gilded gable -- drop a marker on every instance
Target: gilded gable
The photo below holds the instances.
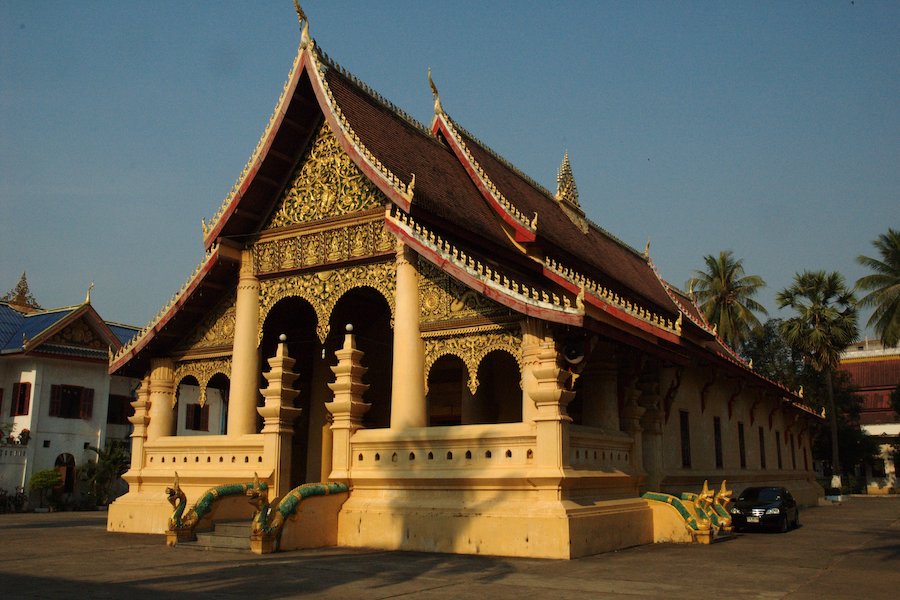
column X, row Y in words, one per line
column 443, row 298
column 216, row 330
column 326, row 184
column 78, row 334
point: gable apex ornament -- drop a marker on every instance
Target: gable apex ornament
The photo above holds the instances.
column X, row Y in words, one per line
column 304, row 24
column 566, row 190
column 87, row 297
column 21, row 297
column 438, row 109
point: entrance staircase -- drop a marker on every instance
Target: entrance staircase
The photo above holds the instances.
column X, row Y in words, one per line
column 230, row 536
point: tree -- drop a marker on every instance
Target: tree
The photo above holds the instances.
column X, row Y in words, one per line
column 41, row 481
column 725, row 295
column 884, row 287
column 824, row 326
column 112, row 462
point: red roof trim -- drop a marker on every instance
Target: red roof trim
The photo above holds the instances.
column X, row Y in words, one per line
column 522, row 234
column 477, row 285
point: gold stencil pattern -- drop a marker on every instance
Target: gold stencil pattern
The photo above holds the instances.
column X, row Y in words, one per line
column 342, row 243
column 78, row 334
column 443, row 298
column 215, row 330
column 327, row 183
column 323, row 289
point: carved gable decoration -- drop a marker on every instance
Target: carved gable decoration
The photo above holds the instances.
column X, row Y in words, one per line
column 326, row 184
column 215, row 330
column 443, row 298
column 78, row 334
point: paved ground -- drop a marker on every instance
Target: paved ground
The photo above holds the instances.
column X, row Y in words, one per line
column 843, row 551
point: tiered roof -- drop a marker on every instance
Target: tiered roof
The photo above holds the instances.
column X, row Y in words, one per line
column 462, row 207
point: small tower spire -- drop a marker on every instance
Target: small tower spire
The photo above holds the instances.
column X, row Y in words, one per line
column 566, row 190
column 21, row 297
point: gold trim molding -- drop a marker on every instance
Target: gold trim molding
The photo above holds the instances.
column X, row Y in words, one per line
column 472, row 348
column 203, row 371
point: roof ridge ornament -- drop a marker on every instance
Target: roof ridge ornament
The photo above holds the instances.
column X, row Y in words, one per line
column 304, row 24
column 87, row 297
column 647, row 250
column 438, row 109
column 566, row 190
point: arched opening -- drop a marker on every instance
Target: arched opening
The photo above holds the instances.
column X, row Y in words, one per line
column 447, row 388
column 499, row 397
column 65, row 466
column 217, row 398
column 296, row 319
column 191, row 417
column 369, row 313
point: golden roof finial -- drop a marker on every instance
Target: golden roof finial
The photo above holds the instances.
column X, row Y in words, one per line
column 438, row 109
column 87, row 297
column 647, row 249
column 566, row 190
column 304, row 24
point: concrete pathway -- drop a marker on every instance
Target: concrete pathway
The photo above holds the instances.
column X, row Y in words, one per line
column 843, row 551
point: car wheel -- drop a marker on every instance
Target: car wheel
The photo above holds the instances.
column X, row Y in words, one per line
column 783, row 524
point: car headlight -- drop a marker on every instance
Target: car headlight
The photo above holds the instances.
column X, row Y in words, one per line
column 773, row 511
column 735, row 510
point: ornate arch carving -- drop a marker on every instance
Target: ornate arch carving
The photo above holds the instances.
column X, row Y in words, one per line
column 323, row 289
column 203, row 371
column 472, row 346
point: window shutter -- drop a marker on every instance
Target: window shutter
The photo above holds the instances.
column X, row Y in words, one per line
column 204, row 418
column 87, row 403
column 26, row 399
column 1, row 401
column 55, row 400
column 189, row 416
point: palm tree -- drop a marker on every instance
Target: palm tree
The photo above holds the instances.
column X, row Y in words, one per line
column 824, row 326
column 884, row 287
column 725, row 295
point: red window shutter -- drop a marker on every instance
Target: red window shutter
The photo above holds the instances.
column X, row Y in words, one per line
column 189, row 416
column 204, row 417
column 55, row 400
column 26, row 399
column 87, row 403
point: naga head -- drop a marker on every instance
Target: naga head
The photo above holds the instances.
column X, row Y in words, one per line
column 723, row 496
column 258, row 493
column 174, row 493
column 705, row 497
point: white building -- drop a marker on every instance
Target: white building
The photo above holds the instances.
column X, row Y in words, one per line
column 56, row 398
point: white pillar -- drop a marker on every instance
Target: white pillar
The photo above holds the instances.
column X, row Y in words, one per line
column 245, row 356
column 407, row 389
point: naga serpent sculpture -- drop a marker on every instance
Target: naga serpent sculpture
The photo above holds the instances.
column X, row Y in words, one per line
column 181, row 525
column 268, row 522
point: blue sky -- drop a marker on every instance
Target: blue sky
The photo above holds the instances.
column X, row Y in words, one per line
column 768, row 128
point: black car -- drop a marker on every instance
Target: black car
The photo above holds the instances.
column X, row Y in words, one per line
column 765, row 507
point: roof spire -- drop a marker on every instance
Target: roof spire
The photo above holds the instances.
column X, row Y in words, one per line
column 438, row 109
column 20, row 296
column 566, row 190
column 647, row 250
column 304, row 24
column 87, row 297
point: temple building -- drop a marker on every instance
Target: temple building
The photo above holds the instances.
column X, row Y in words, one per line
column 484, row 367
column 56, row 398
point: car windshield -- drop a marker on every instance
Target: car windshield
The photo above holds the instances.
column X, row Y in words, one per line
column 761, row 494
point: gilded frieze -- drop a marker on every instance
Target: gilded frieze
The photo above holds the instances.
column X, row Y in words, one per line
column 203, row 371
column 443, row 298
column 323, row 289
column 338, row 244
column 78, row 334
column 327, row 183
column 471, row 346
column 215, row 330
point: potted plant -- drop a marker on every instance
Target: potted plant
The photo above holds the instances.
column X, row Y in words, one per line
column 42, row 481
column 24, row 436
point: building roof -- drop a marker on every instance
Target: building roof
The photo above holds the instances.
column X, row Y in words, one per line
column 463, row 208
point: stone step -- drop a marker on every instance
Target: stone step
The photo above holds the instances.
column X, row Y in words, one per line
column 229, row 536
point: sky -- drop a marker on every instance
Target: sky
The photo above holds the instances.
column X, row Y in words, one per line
column 771, row 129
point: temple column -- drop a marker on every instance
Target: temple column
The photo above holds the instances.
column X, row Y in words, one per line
column 599, row 390
column 651, row 434
column 545, row 386
column 244, row 356
column 631, row 424
column 278, row 415
column 407, row 389
column 140, row 419
column 319, row 395
column 347, row 408
column 162, row 398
